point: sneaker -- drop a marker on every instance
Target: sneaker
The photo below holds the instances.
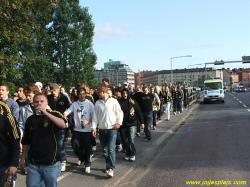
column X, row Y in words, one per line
column 138, row 134
column 174, row 113
column 94, row 148
column 87, row 169
column 91, row 155
column 178, row 112
column 25, row 171
column 154, row 128
column 79, row 163
column 110, row 173
column 63, row 168
column 132, row 158
column 119, row 148
column 127, row 158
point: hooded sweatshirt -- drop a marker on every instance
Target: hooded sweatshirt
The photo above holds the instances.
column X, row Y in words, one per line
column 131, row 111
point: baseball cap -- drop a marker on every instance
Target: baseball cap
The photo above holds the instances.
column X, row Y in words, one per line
column 39, row 84
column 124, row 83
column 54, row 86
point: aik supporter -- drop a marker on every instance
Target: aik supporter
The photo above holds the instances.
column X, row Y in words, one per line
column 9, row 143
column 81, row 139
column 60, row 103
column 41, row 140
column 145, row 101
column 108, row 116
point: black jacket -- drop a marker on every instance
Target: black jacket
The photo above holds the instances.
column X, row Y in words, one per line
column 9, row 138
column 60, row 104
column 131, row 111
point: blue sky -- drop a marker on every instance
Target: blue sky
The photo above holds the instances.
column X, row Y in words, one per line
column 145, row 34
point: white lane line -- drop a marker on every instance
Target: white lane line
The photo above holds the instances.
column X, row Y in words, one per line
column 244, row 105
column 248, row 110
column 240, row 102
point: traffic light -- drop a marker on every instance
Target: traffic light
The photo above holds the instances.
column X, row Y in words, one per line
column 245, row 59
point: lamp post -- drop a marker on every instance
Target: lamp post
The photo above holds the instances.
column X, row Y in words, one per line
column 171, row 64
column 188, row 71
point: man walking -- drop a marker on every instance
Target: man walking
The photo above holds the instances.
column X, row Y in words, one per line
column 108, row 116
column 60, row 103
column 41, row 140
column 145, row 101
column 9, row 143
column 81, row 139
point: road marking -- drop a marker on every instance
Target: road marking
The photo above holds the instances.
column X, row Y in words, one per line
column 244, row 105
column 240, row 102
column 248, row 110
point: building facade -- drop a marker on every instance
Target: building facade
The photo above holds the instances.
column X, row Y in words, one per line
column 180, row 76
column 117, row 72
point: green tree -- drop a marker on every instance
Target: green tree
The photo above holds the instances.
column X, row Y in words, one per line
column 71, row 49
column 200, row 82
column 16, row 20
column 38, row 65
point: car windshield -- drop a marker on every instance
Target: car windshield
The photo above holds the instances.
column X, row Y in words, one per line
column 213, row 86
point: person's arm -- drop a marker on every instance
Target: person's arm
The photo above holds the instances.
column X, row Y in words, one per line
column 56, row 120
column 14, row 134
column 24, row 154
column 15, row 110
column 119, row 115
column 139, row 114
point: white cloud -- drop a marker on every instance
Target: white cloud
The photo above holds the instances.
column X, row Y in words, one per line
column 104, row 32
column 207, row 46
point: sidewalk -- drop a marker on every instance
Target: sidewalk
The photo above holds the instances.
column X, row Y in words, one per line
column 145, row 148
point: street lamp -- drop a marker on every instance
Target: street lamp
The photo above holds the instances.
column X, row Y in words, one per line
column 171, row 64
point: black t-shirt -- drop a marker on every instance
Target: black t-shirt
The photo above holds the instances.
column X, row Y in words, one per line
column 41, row 134
column 144, row 101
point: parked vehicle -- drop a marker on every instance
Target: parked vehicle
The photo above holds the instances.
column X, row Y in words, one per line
column 239, row 89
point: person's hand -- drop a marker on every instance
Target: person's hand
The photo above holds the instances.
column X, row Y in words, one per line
column 142, row 126
column 40, row 108
column 65, row 117
column 94, row 133
column 21, row 164
column 116, row 126
column 12, row 170
column 85, row 122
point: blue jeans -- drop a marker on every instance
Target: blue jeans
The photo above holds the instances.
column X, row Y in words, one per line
column 108, row 138
column 128, row 134
column 81, row 144
column 43, row 174
column 147, row 122
column 61, row 137
column 154, row 117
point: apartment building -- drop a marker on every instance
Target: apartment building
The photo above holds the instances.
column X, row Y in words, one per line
column 180, row 76
column 117, row 72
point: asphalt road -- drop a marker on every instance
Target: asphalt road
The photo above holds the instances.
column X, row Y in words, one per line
column 211, row 147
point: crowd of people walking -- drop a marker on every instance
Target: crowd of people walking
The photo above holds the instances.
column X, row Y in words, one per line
column 38, row 120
